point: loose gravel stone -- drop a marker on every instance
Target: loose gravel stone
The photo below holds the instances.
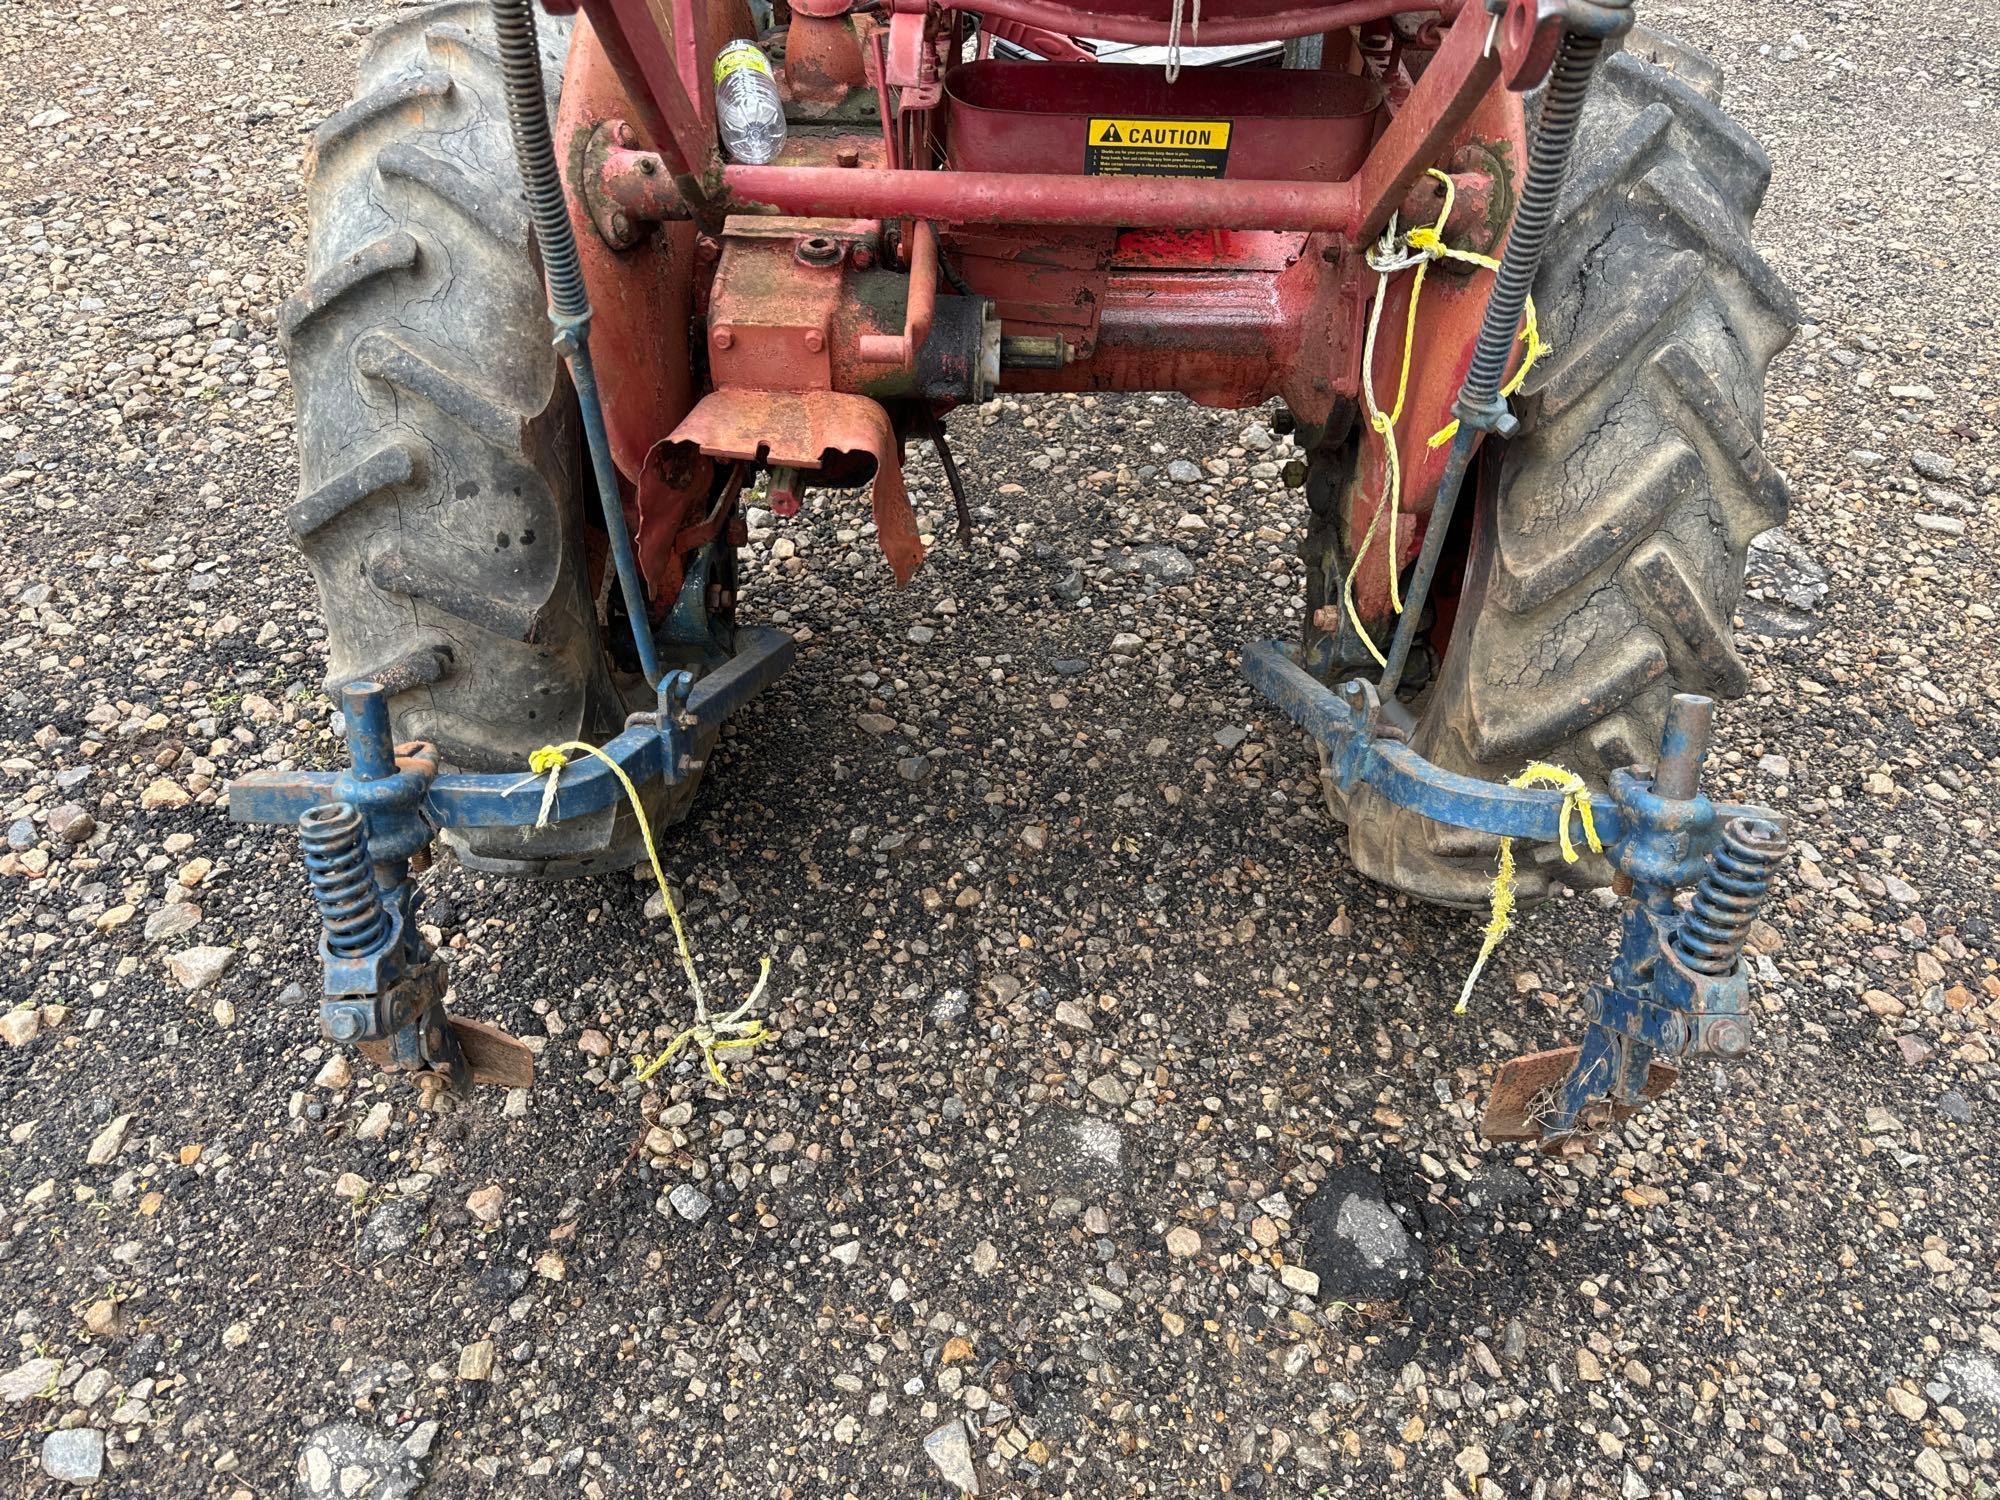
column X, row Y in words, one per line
column 171, row 922
column 106, row 1144
column 74, row 1455
column 1109, row 1089
column 689, row 1202
column 1933, row 465
column 29, row 1379
column 950, row 1450
column 198, row 968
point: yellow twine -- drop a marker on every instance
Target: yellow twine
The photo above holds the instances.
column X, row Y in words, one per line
column 1428, row 242
column 1576, row 800
column 710, row 1036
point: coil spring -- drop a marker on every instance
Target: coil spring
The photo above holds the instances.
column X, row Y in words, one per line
column 1548, row 165
column 534, row 149
column 1730, row 895
column 343, row 885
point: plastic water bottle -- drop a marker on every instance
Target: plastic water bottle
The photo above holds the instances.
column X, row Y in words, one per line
column 748, row 111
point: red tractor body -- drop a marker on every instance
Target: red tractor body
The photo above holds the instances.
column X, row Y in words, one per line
column 937, row 229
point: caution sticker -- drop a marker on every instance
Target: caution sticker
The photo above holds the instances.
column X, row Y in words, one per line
column 1156, row 148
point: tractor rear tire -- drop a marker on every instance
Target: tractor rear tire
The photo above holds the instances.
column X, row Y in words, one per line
column 1606, row 557
column 442, row 469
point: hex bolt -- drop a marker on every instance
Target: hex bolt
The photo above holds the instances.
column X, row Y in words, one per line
column 847, row 156
column 1726, row 1037
column 818, row 250
column 625, row 135
column 815, row 340
column 724, row 338
column 621, row 226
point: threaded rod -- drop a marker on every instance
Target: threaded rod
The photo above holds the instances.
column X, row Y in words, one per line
column 569, row 302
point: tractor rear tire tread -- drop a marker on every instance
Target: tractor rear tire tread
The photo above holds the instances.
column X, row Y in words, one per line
column 1694, row 68
column 1605, row 575
column 440, row 458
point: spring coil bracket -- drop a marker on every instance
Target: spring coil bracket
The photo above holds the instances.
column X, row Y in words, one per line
column 1732, row 892
column 351, row 908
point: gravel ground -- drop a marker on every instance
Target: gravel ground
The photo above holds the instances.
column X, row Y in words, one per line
column 1093, row 1046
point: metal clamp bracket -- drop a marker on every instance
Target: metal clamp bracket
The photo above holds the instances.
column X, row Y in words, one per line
column 1677, row 987
column 361, row 828
column 652, row 748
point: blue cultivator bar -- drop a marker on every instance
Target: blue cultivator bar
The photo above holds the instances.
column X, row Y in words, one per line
column 1677, row 987
column 361, row 829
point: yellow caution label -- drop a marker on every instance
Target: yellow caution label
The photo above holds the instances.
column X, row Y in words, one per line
column 1156, row 148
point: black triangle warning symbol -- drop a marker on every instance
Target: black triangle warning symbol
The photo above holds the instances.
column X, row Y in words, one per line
column 1111, row 135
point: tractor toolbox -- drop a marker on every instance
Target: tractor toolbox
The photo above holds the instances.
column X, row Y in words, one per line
column 1111, row 121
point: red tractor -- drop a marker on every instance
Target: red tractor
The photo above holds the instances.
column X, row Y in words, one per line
column 1492, row 256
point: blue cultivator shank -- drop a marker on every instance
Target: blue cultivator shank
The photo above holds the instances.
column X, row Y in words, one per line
column 362, row 828
column 1678, row 987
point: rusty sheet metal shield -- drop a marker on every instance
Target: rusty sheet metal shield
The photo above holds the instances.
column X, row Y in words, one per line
column 801, row 430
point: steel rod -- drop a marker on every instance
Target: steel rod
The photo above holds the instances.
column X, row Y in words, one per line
column 1480, row 406
column 1042, row 198
column 569, row 301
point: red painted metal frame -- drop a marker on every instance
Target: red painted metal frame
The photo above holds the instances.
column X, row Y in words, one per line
column 642, row 300
column 1229, row 290
column 802, row 430
column 1459, row 76
column 654, row 45
column 1044, row 44
column 1148, row 21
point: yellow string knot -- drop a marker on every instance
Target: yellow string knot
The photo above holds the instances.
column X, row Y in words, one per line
column 1575, row 804
column 710, row 1035
column 1420, row 247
